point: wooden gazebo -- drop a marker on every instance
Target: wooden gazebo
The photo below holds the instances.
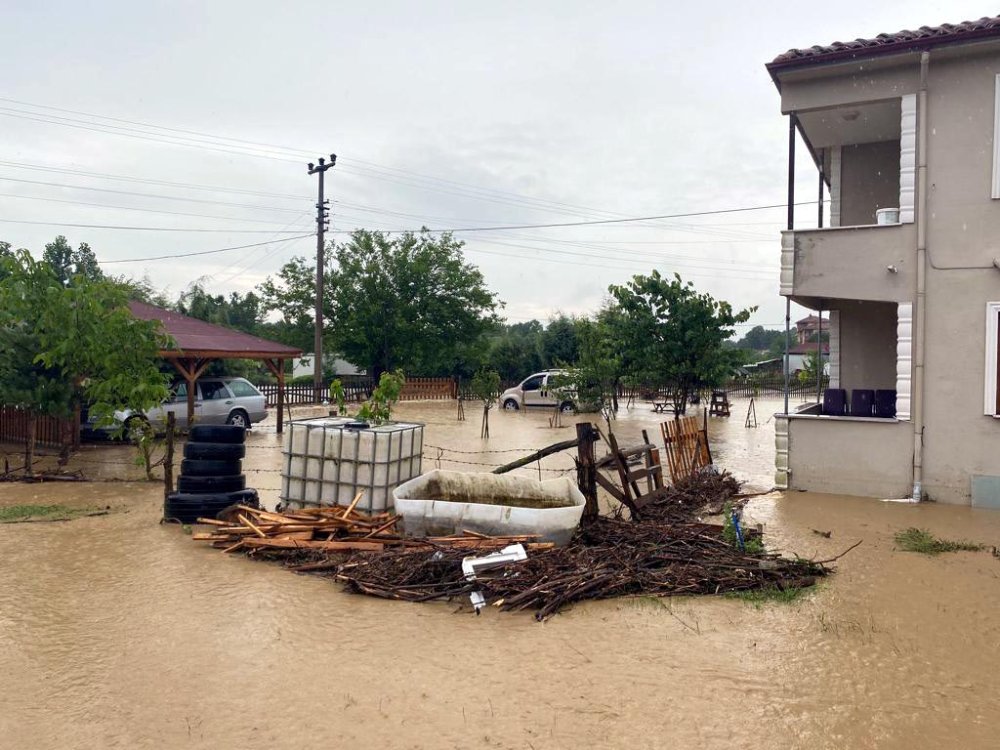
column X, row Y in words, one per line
column 197, row 343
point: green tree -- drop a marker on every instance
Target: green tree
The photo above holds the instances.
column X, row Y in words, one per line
column 559, row 342
column 410, row 301
column 68, row 263
column 80, row 342
column 673, row 336
column 760, row 339
column 293, row 296
column 601, row 364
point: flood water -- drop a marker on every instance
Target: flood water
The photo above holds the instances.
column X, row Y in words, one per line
column 118, row 632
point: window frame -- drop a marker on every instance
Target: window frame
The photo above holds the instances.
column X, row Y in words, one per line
column 995, row 194
column 991, row 381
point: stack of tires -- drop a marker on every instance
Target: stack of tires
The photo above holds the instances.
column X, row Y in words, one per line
column 211, row 476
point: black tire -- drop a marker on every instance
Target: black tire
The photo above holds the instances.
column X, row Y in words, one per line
column 566, row 407
column 211, row 484
column 208, row 467
column 511, row 405
column 187, row 507
column 239, row 418
column 217, row 433
column 227, row 451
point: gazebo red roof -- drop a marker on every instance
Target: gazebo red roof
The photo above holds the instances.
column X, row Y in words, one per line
column 196, row 338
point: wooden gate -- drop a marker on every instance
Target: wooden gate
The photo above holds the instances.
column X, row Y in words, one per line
column 686, row 444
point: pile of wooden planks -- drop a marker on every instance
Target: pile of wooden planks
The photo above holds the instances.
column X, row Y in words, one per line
column 330, row 529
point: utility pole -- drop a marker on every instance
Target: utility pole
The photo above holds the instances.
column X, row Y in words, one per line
column 322, row 218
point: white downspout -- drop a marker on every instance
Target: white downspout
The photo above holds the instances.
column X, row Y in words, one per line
column 921, row 311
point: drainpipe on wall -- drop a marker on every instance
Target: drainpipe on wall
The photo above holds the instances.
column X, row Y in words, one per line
column 921, row 312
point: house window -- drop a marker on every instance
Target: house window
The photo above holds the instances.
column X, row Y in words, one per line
column 996, row 137
column 992, row 384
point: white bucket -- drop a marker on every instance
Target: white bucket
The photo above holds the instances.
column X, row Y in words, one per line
column 887, row 216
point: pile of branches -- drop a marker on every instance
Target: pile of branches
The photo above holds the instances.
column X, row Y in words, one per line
column 703, row 493
column 607, row 558
column 666, row 553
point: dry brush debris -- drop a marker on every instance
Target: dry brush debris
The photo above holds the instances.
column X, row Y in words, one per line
column 667, row 553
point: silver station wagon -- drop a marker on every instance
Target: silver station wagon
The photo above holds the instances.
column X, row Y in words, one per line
column 222, row 400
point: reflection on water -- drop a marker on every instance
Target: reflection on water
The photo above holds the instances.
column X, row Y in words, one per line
column 116, row 632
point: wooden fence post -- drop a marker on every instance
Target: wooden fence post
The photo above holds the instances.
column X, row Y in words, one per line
column 168, row 458
column 586, row 468
column 29, row 445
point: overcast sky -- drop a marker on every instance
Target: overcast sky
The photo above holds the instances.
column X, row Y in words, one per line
column 449, row 115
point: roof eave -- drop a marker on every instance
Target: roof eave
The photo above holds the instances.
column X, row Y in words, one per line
column 775, row 67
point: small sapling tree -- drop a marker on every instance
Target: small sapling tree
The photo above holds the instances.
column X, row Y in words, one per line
column 378, row 409
column 486, row 387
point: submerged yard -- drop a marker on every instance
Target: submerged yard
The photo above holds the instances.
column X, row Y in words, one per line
column 116, row 631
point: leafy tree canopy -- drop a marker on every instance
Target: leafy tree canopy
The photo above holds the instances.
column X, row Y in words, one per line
column 672, row 335
column 78, row 342
column 67, row 263
column 410, row 301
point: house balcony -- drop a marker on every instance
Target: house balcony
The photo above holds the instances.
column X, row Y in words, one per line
column 844, row 455
column 868, row 262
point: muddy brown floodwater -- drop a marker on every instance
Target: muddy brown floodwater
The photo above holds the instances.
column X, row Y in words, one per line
column 117, row 632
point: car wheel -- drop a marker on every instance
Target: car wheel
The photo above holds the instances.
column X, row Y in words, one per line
column 239, row 418
column 225, row 451
column 566, row 407
column 511, row 405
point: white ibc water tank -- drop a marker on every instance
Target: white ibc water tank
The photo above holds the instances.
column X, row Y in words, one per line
column 328, row 461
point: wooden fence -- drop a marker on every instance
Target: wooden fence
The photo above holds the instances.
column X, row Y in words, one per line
column 358, row 388
column 48, row 430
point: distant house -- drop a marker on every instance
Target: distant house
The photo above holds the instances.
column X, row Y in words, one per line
column 809, row 328
column 904, row 130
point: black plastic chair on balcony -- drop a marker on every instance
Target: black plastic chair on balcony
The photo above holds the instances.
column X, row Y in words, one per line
column 885, row 403
column 862, row 402
column 835, row 402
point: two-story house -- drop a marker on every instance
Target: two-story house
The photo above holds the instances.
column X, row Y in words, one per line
column 903, row 130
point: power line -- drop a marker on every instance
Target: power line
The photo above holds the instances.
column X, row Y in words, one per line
column 745, row 271
column 149, row 125
column 369, row 169
column 158, row 196
column 203, row 252
column 128, row 133
column 595, row 222
column 165, row 183
column 136, row 208
column 684, row 260
column 136, row 229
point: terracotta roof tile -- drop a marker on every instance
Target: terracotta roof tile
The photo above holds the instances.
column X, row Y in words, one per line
column 901, row 41
column 193, row 336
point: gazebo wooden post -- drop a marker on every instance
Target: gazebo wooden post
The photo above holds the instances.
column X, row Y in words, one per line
column 281, row 395
column 277, row 368
column 191, row 370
